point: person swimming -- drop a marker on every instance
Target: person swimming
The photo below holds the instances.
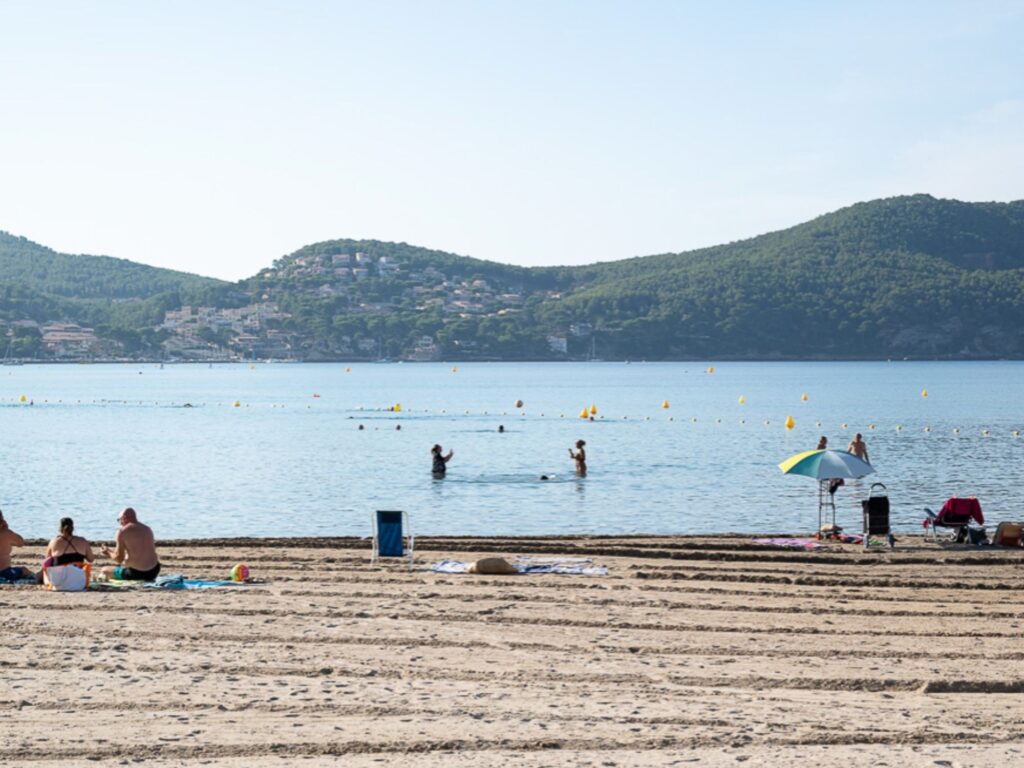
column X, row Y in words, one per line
column 501, row 428
column 580, row 457
column 439, row 465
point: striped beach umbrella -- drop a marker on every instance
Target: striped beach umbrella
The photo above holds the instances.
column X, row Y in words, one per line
column 825, row 465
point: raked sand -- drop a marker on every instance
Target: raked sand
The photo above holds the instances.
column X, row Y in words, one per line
column 692, row 651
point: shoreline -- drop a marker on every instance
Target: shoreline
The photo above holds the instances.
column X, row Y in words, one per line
column 693, row 649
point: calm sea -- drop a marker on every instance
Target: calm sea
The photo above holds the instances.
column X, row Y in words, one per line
column 290, row 459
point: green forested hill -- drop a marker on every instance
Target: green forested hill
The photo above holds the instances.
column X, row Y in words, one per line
column 908, row 276
column 903, row 276
column 41, row 269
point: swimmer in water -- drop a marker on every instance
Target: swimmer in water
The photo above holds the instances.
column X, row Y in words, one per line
column 580, row 457
column 440, row 463
column 501, row 428
column 544, row 477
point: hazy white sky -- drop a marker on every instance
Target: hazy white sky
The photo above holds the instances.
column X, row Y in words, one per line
column 217, row 136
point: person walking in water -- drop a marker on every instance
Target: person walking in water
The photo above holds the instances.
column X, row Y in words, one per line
column 440, row 462
column 135, row 553
column 858, row 448
column 580, row 457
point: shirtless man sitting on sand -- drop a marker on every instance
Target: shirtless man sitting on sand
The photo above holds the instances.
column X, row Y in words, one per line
column 135, row 554
column 8, row 540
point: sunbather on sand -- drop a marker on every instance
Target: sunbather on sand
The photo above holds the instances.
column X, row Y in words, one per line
column 8, row 540
column 66, row 548
column 135, row 554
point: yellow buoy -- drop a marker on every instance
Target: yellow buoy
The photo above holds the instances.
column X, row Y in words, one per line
column 790, row 423
column 804, row 397
column 455, row 369
column 584, row 413
column 252, row 366
column 23, row 398
column 664, row 404
column 238, row 404
column 924, row 393
column 711, row 369
column 348, row 370
column 593, row 410
column 927, row 429
column 742, row 400
column 397, row 408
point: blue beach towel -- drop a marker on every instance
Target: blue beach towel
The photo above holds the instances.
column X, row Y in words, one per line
column 178, row 581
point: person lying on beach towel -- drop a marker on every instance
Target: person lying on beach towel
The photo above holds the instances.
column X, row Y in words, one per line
column 8, row 540
column 135, row 553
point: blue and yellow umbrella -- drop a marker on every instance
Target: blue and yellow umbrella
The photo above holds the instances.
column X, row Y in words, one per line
column 825, row 465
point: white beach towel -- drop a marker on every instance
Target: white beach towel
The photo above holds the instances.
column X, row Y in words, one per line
column 572, row 566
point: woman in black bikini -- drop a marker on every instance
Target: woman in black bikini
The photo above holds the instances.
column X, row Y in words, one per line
column 66, row 548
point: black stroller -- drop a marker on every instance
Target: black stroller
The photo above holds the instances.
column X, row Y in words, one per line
column 876, row 515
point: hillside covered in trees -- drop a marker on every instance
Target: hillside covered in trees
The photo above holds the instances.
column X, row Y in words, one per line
column 907, row 276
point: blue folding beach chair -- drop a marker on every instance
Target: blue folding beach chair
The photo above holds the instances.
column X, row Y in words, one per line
column 392, row 536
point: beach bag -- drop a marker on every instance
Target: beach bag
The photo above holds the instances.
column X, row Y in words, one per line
column 1008, row 535
column 977, row 536
column 496, row 566
column 67, row 578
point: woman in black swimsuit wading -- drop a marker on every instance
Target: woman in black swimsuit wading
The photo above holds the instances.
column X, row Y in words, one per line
column 439, row 464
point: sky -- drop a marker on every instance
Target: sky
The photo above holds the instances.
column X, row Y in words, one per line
column 215, row 137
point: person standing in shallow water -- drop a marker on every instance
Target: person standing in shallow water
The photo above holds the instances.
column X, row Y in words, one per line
column 439, row 464
column 858, row 448
column 823, row 443
column 580, row 457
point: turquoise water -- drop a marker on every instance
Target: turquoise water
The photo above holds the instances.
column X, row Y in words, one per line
column 99, row 437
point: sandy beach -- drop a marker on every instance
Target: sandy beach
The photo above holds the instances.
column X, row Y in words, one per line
column 691, row 651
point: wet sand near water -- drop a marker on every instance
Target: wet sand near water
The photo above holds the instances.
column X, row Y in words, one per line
column 705, row 651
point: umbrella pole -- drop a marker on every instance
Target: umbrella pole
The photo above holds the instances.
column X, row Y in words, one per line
column 825, row 502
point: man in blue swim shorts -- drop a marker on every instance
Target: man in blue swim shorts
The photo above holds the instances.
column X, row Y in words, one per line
column 8, row 540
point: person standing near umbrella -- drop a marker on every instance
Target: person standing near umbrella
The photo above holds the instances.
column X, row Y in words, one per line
column 858, row 448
